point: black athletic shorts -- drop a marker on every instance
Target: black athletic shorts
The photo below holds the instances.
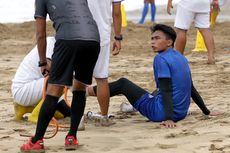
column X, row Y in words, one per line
column 79, row 56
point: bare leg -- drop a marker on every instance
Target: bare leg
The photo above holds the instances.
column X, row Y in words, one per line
column 209, row 42
column 103, row 95
column 181, row 40
column 55, row 90
column 77, row 85
column 90, row 91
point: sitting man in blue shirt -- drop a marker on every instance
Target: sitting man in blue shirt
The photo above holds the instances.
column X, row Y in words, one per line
column 170, row 102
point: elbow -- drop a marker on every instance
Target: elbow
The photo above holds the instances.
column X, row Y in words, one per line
column 117, row 15
column 40, row 36
column 116, row 11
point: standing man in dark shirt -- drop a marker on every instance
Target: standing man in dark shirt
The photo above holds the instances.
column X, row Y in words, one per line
column 76, row 50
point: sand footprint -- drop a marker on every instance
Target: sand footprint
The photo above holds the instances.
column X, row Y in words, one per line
column 183, row 133
column 217, row 140
column 166, row 146
column 215, row 147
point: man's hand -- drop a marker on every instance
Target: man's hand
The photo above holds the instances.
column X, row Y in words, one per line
column 216, row 114
column 117, row 21
column 45, row 70
column 116, row 47
column 169, row 7
column 168, row 124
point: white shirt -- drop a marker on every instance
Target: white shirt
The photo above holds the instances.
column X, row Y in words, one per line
column 201, row 6
column 102, row 14
column 28, row 70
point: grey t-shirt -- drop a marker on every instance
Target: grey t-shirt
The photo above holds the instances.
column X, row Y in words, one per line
column 72, row 19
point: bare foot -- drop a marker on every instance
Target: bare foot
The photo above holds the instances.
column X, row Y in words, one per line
column 216, row 113
column 211, row 61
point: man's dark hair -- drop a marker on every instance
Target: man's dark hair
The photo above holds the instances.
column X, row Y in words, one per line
column 167, row 30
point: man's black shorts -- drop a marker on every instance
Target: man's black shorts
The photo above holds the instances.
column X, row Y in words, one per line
column 79, row 56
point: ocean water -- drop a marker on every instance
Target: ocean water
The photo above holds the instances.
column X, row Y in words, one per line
column 16, row 10
column 13, row 11
column 131, row 5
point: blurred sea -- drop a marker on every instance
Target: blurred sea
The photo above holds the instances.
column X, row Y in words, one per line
column 15, row 11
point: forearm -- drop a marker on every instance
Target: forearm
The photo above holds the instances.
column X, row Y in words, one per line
column 41, row 38
column 169, row 7
column 169, row 1
column 117, row 19
column 166, row 92
column 41, row 44
column 199, row 101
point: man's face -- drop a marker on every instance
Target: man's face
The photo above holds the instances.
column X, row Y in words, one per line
column 160, row 42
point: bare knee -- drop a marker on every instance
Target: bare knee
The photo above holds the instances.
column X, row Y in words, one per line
column 205, row 32
column 90, row 91
column 77, row 85
column 181, row 31
column 181, row 40
column 55, row 90
column 101, row 81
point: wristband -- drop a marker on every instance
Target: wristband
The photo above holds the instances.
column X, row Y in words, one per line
column 40, row 64
column 119, row 38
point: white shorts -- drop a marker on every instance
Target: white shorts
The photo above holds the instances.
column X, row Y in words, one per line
column 101, row 69
column 184, row 19
column 29, row 94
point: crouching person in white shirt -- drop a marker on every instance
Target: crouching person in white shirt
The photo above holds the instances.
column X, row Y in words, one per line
column 27, row 84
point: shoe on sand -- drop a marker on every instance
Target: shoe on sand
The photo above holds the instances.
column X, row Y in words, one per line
column 100, row 120
column 127, row 108
column 31, row 147
column 71, row 143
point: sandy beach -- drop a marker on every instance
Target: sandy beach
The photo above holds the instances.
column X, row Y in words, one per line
column 132, row 133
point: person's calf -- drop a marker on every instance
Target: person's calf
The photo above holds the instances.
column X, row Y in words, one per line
column 90, row 91
column 209, row 43
column 77, row 111
column 63, row 108
column 181, row 40
column 47, row 111
column 103, row 95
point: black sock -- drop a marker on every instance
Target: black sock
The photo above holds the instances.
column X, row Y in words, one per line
column 77, row 111
column 63, row 108
column 125, row 87
column 46, row 113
